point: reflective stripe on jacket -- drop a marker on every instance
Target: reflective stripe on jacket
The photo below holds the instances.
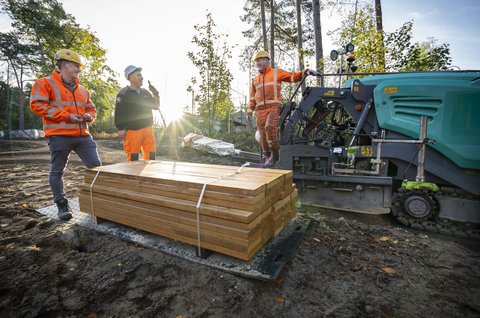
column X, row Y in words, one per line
column 266, row 89
column 54, row 102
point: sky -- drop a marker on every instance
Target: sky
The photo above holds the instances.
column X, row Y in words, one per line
column 156, row 35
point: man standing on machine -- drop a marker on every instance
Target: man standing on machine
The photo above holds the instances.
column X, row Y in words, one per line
column 266, row 101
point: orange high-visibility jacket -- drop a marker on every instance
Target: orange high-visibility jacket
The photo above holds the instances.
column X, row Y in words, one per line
column 266, row 89
column 54, row 102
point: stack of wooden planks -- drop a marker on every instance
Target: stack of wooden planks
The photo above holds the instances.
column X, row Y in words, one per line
column 240, row 210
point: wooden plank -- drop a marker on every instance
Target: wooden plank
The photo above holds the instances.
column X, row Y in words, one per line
column 85, row 206
column 128, row 217
column 240, row 211
column 209, row 242
column 184, row 195
column 190, row 189
column 175, row 166
column 226, row 186
column 212, row 210
column 190, row 195
column 163, row 213
column 246, row 180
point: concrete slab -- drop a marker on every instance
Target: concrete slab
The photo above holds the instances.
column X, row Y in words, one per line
column 265, row 265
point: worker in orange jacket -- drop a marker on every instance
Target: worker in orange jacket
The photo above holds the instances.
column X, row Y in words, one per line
column 134, row 118
column 66, row 110
column 266, row 101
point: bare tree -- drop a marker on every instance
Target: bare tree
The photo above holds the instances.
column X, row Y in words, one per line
column 379, row 23
column 299, row 34
column 272, row 33
column 264, row 24
column 299, row 38
column 378, row 15
column 318, row 35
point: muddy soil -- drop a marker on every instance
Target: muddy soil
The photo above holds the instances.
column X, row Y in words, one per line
column 347, row 265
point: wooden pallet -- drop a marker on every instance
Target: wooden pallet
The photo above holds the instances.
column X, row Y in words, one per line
column 239, row 212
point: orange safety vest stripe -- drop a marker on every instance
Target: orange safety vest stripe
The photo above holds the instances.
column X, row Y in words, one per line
column 55, row 102
column 266, row 89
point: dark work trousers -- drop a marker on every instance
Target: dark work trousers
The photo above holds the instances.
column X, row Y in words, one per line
column 60, row 149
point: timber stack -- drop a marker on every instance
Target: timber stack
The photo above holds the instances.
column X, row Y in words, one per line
column 237, row 212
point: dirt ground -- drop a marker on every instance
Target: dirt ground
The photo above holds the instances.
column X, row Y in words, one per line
column 348, row 265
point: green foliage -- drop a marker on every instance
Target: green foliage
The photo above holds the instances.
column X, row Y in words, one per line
column 42, row 27
column 19, row 58
column 397, row 47
column 211, row 58
column 405, row 56
column 369, row 48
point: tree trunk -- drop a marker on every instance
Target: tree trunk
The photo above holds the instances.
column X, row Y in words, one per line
column 18, row 78
column 9, row 102
column 318, row 36
column 378, row 15
column 21, row 113
column 264, row 24
column 272, row 33
column 379, row 23
column 299, row 37
column 208, row 101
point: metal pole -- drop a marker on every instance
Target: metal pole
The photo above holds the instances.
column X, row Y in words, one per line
column 228, row 129
column 421, row 154
column 193, row 101
column 361, row 121
column 340, row 72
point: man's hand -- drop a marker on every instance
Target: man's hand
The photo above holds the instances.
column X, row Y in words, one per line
column 74, row 118
column 153, row 89
column 87, row 118
column 311, row 72
column 121, row 134
column 249, row 117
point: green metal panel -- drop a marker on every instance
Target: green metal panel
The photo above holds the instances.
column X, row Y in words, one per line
column 451, row 102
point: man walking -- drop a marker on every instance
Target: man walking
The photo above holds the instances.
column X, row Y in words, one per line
column 133, row 116
column 66, row 109
column 266, row 101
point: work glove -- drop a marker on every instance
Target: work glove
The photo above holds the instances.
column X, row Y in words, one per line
column 153, row 89
column 311, row 72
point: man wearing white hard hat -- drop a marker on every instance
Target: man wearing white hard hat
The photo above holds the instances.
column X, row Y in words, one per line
column 134, row 118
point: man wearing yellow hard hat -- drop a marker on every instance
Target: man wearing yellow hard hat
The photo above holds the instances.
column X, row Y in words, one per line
column 66, row 110
column 266, row 101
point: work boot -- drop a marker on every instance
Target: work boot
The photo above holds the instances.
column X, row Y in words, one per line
column 272, row 160
column 64, row 211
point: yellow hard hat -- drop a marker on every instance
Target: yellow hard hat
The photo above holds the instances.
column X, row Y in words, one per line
column 260, row 54
column 69, row 55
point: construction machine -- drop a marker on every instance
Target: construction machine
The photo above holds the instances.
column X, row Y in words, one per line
column 400, row 143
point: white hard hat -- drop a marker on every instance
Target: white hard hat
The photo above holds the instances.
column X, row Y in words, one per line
column 257, row 136
column 130, row 69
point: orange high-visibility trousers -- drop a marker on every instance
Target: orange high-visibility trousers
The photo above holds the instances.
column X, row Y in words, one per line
column 267, row 122
column 140, row 140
